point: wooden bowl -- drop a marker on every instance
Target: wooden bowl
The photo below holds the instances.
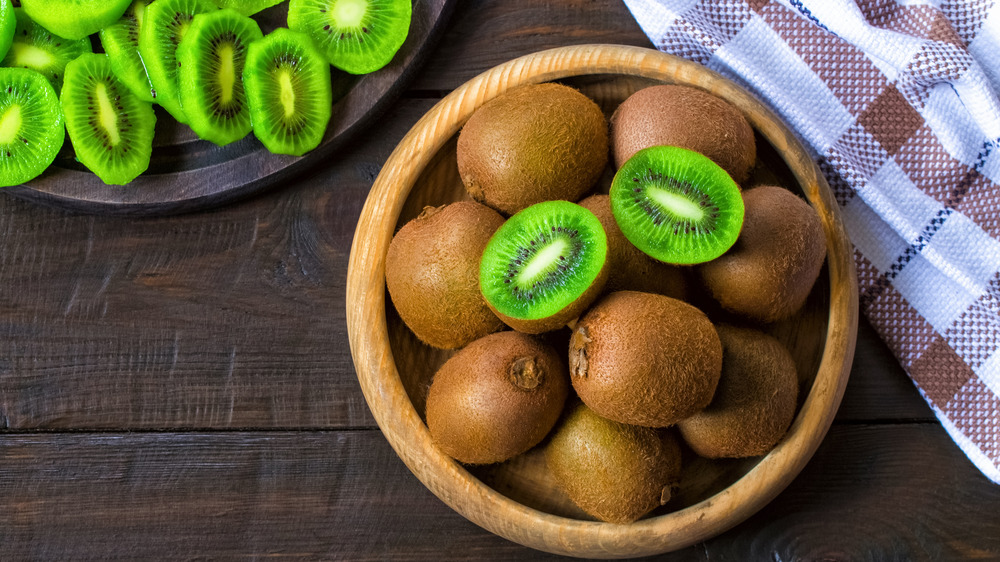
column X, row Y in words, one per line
column 518, row 499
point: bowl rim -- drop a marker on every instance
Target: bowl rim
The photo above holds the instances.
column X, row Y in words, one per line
column 402, row 426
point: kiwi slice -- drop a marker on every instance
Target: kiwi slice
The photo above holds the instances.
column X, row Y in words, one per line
column 357, row 36
column 110, row 128
column 8, row 23
column 544, row 266
column 120, row 41
column 676, row 205
column 211, row 58
column 75, row 19
column 287, row 82
column 164, row 24
column 31, row 125
column 247, row 7
column 36, row 48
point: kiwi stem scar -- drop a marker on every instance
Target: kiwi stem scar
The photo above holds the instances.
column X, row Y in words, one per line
column 287, row 92
column 676, row 204
column 226, row 73
column 10, row 124
column 109, row 120
column 542, row 261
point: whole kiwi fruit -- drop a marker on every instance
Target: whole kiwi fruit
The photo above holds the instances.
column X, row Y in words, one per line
column 613, row 471
column 535, row 143
column 432, row 273
column 687, row 117
column 644, row 359
column 754, row 403
column 768, row 273
column 496, row 398
column 629, row 269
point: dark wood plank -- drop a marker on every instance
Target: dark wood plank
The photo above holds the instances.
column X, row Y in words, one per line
column 345, row 495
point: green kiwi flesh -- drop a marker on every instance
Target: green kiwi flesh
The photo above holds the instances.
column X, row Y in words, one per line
column 8, row 23
column 289, row 92
column 432, row 274
column 676, row 205
column 211, row 57
column 544, row 266
column 247, row 7
column 111, row 129
column 164, row 24
column 38, row 49
column 754, row 403
column 120, row 41
column 31, row 125
column 613, row 471
column 496, row 398
column 644, row 359
column 356, row 36
column 75, row 19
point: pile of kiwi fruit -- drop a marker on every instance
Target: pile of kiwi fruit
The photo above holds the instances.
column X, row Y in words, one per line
column 93, row 69
column 606, row 291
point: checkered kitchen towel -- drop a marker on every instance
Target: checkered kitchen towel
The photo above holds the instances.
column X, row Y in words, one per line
column 898, row 101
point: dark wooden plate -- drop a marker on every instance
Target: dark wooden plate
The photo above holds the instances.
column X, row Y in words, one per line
column 186, row 173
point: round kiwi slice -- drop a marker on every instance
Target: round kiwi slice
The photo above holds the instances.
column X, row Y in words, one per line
column 75, row 19
column 356, row 36
column 544, row 266
column 31, row 125
column 754, row 403
column 289, row 93
column 496, row 398
column 211, row 57
column 676, row 205
column 163, row 27
column 110, row 128
column 120, row 41
column 8, row 23
column 37, row 48
column 613, row 471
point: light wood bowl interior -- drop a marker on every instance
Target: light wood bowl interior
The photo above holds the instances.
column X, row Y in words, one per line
column 518, row 500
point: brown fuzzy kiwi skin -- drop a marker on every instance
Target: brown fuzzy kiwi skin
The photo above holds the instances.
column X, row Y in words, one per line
column 630, row 269
column 687, row 117
column 432, row 273
column 755, row 402
column 768, row 274
column 613, row 471
column 644, row 359
column 535, row 143
column 496, row 398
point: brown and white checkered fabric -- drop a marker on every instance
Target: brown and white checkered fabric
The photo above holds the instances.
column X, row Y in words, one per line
column 898, row 101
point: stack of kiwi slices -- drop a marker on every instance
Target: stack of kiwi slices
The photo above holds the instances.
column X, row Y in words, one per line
column 634, row 316
column 205, row 62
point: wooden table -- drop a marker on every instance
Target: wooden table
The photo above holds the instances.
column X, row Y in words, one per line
column 182, row 387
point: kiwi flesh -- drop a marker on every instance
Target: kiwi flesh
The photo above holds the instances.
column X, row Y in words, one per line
column 120, row 41
column 496, row 398
column 38, row 49
column 613, row 471
column 432, row 274
column 356, row 36
column 247, row 7
column 31, row 125
column 684, row 116
column 544, row 266
column 770, row 271
column 289, row 92
column 629, row 268
column 644, row 359
column 75, row 19
column 111, row 129
column 676, row 205
column 8, row 24
column 211, row 57
column 754, row 403
column 531, row 144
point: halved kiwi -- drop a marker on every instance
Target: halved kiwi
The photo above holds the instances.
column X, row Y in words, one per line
column 357, row 36
column 110, row 128
column 38, row 49
column 211, row 58
column 31, row 125
column 676, row 205
column 544, row 266
column 287, row 82
column 120, row 41
column 247, row 7
column 164, row 24
column 75, row 19
column 8, row 23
